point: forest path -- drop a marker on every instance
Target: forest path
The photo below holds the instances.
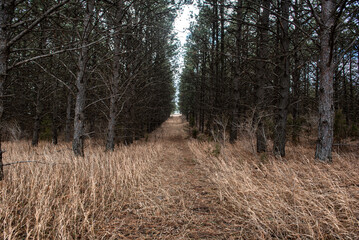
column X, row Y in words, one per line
column 179, row 202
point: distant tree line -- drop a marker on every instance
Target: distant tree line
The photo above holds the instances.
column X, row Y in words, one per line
column 75, row 69
column 275, row 63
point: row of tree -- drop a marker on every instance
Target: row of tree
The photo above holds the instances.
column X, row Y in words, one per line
column 85, row 68
column 267, row 60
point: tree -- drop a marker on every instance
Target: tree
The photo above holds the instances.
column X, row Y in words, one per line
column 328, row 23
column 6, row 13
column 7, row 8
column 284, row 81
column 237, row 75
column 124, row 52
column 115, row 79
column 262, row 73
column 82, row 79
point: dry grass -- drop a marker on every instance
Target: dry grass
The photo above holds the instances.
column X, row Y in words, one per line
column 285, row 199
column 73, row 198
column 169, row 187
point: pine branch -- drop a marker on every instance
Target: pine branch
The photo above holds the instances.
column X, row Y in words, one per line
column 35, row 23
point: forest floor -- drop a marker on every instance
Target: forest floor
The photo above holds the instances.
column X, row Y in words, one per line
column 169, row 186
column 179, row 202
column 204, row 191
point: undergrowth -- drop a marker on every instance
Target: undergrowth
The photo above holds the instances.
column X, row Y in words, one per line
column 64, row 197
column 287, row 198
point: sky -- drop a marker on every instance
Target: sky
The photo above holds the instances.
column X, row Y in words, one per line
column 183, row 21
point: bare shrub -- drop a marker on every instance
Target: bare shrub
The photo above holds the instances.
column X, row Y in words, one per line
column 219, row 132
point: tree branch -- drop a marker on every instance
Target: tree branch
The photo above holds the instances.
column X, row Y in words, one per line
column 19, row 162
column 317, row 19
column 54, row 53
column 347, row 49
column 34, row 24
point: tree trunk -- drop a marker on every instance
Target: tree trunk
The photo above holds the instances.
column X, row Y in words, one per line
column 351, row 89
column 3, row 73
column 114, row 85
column 110, row 144
column 235, row 106
column 54, row 119
column 296, row 99
column 81, row 82
column 37, row 118
column 297, row 36
column 345, row 95
column 128, row 139
column 68, row 118
column 317, row 80
column 262, row 79
column 6, row 14
column 284, row 81
column 78, row 139
column 326, row 105
column 203, row 75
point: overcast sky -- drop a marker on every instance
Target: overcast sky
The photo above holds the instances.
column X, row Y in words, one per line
column 181, row 25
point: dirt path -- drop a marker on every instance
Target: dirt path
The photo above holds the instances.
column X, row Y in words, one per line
column 179, row 202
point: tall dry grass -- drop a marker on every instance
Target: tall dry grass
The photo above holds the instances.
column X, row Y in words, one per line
column 284, row 199
column 68, row 198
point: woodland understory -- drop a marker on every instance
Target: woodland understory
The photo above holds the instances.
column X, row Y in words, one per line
column 266, row 145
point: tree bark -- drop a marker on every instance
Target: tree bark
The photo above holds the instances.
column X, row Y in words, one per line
column 235, row 106
column 317, row 80
column 115, row 81
column 345, row 95
column 110, row 144
column 81, row 82
column 327, row 67
column 6, row 14
column 54, row 118
column 284, row 81
column 297, row 37
column 68, row 118
column 351, row 89
column 261, row 66
column 37, row 117
column 296, row 100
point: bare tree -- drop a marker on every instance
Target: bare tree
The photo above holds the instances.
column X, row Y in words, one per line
column 81, row 80
column 7, row 8
column 236, row 80
column 115, row 80
column 328, row 23
column 284, row 81
column 68, row 117
column 261, row 67
column 37, row 116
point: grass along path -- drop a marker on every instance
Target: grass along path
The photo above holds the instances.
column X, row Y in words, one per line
column 195, row 194
column 178, row 201
column 171, row 187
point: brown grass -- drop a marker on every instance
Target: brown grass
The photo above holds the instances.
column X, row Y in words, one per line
column 170, row 187
column 74, row 198
column 285, row 198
